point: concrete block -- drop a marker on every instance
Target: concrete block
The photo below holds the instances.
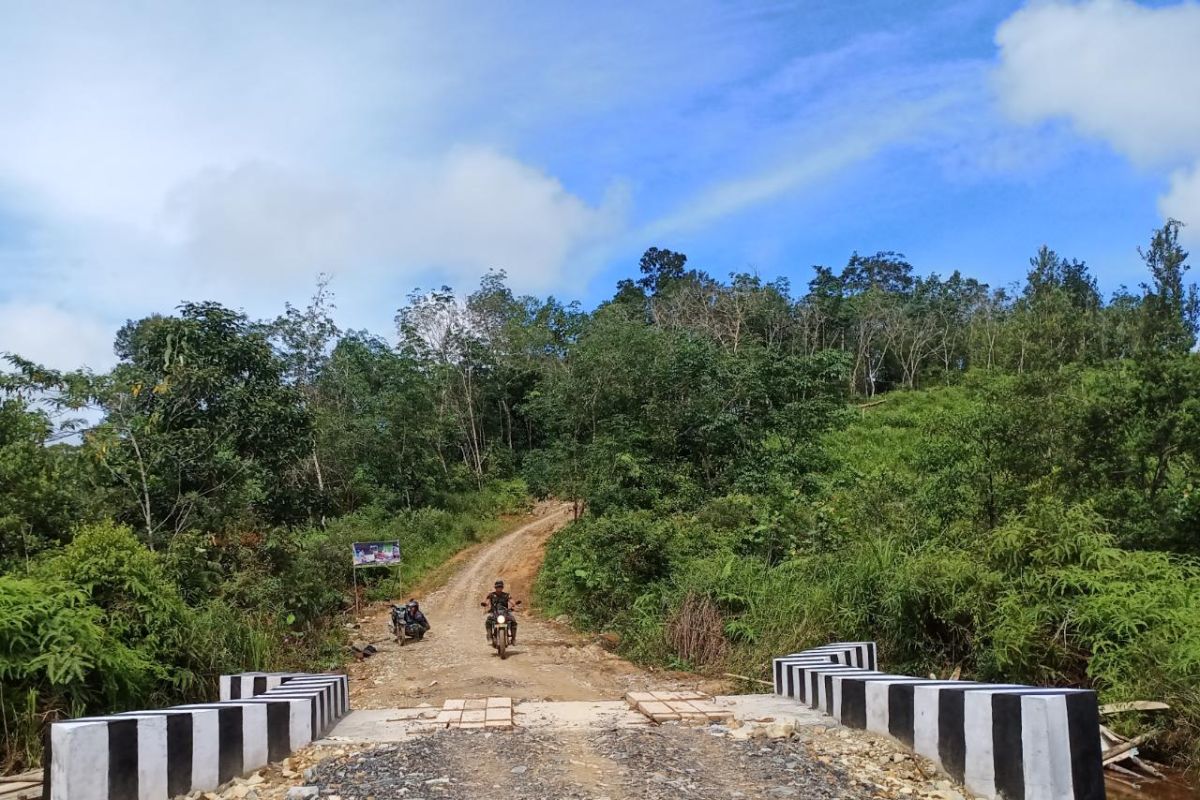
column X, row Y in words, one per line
column 999, row 740
column 163, row 753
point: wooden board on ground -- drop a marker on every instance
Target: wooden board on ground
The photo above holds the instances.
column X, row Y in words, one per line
column 688, row 707
column 493, row 713
column 27, row 786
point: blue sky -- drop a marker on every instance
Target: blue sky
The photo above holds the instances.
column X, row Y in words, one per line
column 156, row 152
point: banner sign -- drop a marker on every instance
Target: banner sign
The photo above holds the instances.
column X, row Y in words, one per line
column 376, row 554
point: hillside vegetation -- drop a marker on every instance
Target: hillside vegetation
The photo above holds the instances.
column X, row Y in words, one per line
column 1000, row 481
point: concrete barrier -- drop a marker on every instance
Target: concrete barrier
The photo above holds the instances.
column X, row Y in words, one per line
column 998, row 740
column 155, row 755
column 857, row 654
column 249, row 684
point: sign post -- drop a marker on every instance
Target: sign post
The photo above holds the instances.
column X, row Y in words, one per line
column 373, row 554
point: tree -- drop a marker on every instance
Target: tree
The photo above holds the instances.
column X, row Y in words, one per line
column 303, row 340
column 659, row 268
column 1171, row 308
column 39, row 502
column 200, row 427
column 1056, row 317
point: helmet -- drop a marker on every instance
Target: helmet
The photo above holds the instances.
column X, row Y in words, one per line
column 413, row 604
column 499, row 584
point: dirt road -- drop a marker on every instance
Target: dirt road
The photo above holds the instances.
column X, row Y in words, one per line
column 549, row 662
column 541, row 760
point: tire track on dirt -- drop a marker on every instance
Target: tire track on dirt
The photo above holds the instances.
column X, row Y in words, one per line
column 549, row 662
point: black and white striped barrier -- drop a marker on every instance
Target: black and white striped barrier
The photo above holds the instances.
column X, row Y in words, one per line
column 998, row 740
column 851, row 654
column 155, row 755
column 249, row 684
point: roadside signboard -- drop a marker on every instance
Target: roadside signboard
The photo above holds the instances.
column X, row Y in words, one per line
column 376, row 554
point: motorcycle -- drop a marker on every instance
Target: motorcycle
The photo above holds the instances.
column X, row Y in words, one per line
column 502, row 629
column 403, row 629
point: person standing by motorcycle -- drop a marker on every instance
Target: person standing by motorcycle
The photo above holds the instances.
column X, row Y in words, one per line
column 499, row 600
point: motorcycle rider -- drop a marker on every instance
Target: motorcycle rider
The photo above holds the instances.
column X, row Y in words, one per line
column 499, row 600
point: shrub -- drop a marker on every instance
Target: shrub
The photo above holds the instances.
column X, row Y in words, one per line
column 58, row 657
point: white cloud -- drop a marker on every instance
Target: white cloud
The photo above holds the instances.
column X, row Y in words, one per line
column 55, row 337
column 1118, row 71
column 1182, row 200
column 227, row 151
column 233, row 151
column 459, row 215
column 802, row 171
column 905, row 105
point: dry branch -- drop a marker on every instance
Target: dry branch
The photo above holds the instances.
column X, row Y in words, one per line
column 748, row 680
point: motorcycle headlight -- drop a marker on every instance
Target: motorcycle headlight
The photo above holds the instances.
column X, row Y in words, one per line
column 500, row 619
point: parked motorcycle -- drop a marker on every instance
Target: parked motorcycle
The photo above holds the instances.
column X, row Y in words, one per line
column 404, row 629
column 502, row 624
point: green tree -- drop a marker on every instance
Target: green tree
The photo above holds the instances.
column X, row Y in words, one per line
column 39, row 505
column 200, row 428
column 1171, row 307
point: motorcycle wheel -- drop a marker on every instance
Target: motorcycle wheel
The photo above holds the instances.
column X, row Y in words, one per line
column 401, row 639
column 502, row 642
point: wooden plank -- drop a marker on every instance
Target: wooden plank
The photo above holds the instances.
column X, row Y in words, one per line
column 1122, row 771
column 1108, row 738
column 21, row 791
column 1142, row 765
column 1133, row 705
column 14, row 788
column 1119, row 752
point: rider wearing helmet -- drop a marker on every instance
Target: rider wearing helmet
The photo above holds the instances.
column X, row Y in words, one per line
column 496, row 601
column 413, row 613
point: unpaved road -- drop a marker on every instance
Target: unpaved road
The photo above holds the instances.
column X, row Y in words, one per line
column 544, row 762
column 549, row 662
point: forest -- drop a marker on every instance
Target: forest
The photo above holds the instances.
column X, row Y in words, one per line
column 1000, row 482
